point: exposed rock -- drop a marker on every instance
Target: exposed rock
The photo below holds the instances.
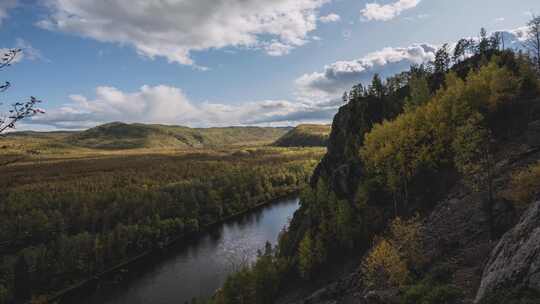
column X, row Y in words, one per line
column 533, row 134
column 390, row 296
column 515, row 262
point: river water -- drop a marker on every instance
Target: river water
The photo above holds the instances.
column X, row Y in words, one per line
column 197, row 267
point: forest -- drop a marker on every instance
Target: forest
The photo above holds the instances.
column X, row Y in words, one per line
column 412, row 138
column 64, row 219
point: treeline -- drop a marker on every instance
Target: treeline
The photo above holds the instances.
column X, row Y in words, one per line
column 64, row 221
column 409, row 139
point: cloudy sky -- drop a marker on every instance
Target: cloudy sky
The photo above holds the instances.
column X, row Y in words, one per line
column 224, row 62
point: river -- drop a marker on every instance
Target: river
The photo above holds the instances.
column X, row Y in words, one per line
column 197, row 267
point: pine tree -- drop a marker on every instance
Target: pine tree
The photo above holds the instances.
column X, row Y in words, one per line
column 533, row 42
column 306, row 256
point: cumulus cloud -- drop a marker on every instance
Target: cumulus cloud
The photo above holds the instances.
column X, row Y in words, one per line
column 318, row 96
column 175, row 29
column 169, row 105
column 375, row 11
column 330, row 18
column 6, row 5
column 341, row 75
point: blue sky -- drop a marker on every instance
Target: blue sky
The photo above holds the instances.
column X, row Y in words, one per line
column 222, row 62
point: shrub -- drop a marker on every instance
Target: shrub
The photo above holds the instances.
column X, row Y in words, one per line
column 384, row 267
column 426, row 292
column 405, row 237
column 524, row 186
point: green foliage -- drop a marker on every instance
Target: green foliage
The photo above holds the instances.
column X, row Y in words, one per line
column 306, row 256
column 131, row 136
column 406, row 238
column 407, row 158
column 71, row 228
column 473, row 153
column 305, row 136
column 4, row 295
column 258, row 283
column 420, row 141
column 420, row 92
column 428, row 292
column 390, row 262
column 524, row 186
column 121, row 136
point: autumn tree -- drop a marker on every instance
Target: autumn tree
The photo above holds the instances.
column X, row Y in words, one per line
column 383, row 267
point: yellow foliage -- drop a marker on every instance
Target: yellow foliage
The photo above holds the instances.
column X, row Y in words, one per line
column 421, row 138
column 384, row 267
column 490, row 87
column 405, row 237
column 524, row 186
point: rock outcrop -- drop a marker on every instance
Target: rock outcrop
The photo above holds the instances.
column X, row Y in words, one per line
column 514, row 264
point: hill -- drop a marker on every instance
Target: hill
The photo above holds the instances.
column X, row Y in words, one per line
column 122, row 136
column 305, row 136
column 119, row 135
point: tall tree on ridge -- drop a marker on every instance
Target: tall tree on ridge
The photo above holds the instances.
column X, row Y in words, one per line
column 533, row 42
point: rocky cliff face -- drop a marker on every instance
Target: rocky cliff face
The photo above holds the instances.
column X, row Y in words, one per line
column 515, row 262
column 340, row 166
column 456, row 235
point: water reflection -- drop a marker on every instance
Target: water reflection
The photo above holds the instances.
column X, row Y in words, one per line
column 198, row 267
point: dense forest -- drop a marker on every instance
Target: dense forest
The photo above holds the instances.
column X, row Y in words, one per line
column 396, row 148
column 64, row 219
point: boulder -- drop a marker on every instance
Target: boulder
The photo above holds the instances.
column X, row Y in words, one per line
column 533, row 134
column 514, row 264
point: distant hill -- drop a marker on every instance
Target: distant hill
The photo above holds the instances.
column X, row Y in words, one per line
column 119, row 135
column 305, row 136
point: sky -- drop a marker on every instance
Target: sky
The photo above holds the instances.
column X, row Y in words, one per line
column 205, row 63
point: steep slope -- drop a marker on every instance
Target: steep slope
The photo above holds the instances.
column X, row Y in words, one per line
column 459, row 230
column 305, row 136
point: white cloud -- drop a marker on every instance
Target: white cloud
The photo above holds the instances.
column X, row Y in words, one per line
column 375, row 11
column 174, row 29
column 277, row 48
column 169, row 105
column 330, row 18
column 6, row 5
column 342, row 75
column 318, row 96
column 28, row 51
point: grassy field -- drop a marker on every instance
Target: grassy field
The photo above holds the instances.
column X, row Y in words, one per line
column 70, row 210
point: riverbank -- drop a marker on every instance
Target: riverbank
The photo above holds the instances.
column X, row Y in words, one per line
column 73, row 293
